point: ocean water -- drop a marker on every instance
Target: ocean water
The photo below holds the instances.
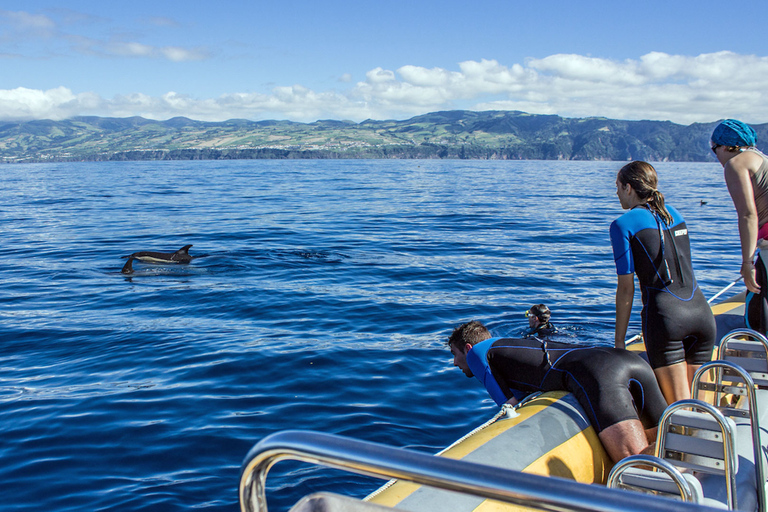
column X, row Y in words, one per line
column 321, row 300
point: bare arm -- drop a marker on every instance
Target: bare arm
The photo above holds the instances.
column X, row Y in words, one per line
column 625, row 294
column 737, row 178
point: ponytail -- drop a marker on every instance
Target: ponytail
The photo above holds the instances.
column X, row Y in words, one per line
column 656, row 201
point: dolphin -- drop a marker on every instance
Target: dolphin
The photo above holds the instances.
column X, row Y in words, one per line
column 180, row 256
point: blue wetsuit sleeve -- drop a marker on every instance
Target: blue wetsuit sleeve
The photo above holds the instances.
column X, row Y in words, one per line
column 622, row 251
column 478, row 365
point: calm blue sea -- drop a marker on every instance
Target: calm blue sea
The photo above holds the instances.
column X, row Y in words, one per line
column 325, row 294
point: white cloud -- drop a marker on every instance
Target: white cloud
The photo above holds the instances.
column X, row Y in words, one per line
column 35, row 28
column 21, row 22
column 56, row 104
column 179, row 54
column 380, row 76
column 580, row 68
column 683, row 89
column 133, row 49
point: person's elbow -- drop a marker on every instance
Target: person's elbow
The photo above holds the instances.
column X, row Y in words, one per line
column 748, row 216
column 625, row 285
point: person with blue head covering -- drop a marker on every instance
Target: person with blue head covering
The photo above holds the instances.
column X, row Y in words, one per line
column 746, row 174
column 735, row 134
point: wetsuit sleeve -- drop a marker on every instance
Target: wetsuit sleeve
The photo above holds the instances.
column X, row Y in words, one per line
column 478, row 365
column 622, row 251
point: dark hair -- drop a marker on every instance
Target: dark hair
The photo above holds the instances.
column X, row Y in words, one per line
column 642, row 177
column 541, row 312
column 471, row 332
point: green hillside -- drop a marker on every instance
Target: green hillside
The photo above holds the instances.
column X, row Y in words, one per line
column 451, row 134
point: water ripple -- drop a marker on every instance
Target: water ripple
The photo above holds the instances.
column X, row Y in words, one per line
column 322, row 300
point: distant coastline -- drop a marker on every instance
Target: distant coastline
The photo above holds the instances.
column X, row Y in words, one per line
column 459, row 134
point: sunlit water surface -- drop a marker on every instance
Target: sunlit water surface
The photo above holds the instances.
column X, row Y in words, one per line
column 322, row 300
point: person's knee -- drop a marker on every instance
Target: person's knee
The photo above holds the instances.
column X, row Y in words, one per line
column 623, row 439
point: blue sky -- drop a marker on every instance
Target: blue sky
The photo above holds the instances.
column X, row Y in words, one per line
column 684, row 61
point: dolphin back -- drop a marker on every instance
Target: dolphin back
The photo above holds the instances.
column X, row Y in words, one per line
column 182, row 255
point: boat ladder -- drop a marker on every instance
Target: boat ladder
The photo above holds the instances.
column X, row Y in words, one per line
column 731, row 379
column 745, row 376
column 693, row 436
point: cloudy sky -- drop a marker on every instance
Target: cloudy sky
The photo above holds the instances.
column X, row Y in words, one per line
column 683, row 60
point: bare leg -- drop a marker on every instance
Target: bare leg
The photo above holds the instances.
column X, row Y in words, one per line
column 624, row 439
column 674, row 381
column 692, row 369
column 651, row 434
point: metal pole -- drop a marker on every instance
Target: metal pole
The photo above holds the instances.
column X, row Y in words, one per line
column 375, row 460
column 724, row 290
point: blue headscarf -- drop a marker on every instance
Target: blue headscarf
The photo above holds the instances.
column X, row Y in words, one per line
column 734, row 133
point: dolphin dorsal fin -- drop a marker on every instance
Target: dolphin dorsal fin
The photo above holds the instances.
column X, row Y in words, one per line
column 184, row 250
column 128, row 268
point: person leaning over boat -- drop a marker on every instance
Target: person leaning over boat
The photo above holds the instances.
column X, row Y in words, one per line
column 651, row 240
column 616, row 388
column 746, row 175
column 538, row 321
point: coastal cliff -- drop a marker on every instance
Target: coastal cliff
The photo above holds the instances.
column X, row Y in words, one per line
column 451, row 134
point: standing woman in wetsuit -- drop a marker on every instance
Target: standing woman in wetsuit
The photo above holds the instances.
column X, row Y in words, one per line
column 651, row 240
column 746, row 175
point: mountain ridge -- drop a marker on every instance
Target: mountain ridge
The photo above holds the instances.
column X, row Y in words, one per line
column 445, row 134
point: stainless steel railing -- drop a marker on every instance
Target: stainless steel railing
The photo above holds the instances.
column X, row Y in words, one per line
column 380, row 461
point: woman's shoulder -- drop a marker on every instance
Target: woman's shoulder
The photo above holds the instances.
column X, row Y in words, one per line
column 632, row 217
column 748, row 160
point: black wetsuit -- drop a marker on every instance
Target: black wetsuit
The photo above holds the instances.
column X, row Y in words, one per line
column 678, row 324
column 612, row 385
column 756, row 304
column 542, row 331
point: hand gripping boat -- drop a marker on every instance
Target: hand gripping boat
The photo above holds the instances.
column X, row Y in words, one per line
column 539, row 455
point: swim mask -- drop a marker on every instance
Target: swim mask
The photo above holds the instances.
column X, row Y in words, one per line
column 734, row 133
column 540, row 311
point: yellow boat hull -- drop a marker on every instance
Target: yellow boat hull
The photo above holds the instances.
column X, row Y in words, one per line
column 550, row 436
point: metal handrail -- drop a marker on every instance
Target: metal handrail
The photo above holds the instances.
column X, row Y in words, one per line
column 660, row 465
column 386, row 462
column 754, row 415
column 729, row 452
column 735, row 334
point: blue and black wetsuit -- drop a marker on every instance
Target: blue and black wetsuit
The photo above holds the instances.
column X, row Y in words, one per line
column 612, row 385
column 678, row 324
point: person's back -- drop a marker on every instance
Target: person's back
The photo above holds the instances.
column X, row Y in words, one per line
column 524, row 363
column 759, row 181
column 609, row 383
